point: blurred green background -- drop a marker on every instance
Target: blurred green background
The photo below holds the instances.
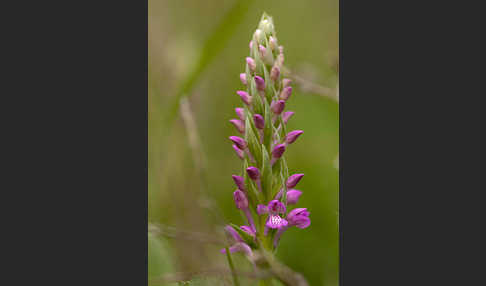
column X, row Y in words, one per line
column 183, row 192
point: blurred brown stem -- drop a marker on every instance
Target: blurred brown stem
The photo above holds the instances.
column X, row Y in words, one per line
column 308, row 86
column 185, row 276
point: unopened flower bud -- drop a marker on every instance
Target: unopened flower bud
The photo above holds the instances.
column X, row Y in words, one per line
column 239, row 125
column 253, row 173
column 245, row 97
column 259, row 121
column 278, row 151
column 243, row 78
column 293, row 196
column 277, row 106
column 258, row 36
column 240, row 112
column 260, row 83
column 239, row 142
column 239, row 152
column 286, row 116
column 273, row 43
column 286, row 92
column 293, row 180
column 251, row 64
column 274, row 73
column 263, row 51
column 286, row 82
column 292, row 136
column 240, row 200
column 239, row 182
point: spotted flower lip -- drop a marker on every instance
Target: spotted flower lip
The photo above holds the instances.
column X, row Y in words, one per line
column 275, row 221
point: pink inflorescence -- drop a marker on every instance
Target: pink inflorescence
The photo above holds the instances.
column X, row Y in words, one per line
column 265, row 189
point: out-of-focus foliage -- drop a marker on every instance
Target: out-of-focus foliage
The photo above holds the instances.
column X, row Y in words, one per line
column 178, row 30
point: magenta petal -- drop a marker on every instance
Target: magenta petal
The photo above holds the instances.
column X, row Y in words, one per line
column 286, row 116
column 259, row 121
column 262, row 209
column 276, row 207
column 248, row 230
column 253, row 173
column 293, row 196
column 294, row 180
column 233, row 233
column 239, row 142
column 241, row 113
column 292, row 136
column 243, row 78
column 239, row 182
column 240, row 200
column 260, row 83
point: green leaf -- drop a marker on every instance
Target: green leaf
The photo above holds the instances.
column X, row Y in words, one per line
column 159, row 259
column 248, row 239
column 252, row 140
column 266, row 171
column 267, row 131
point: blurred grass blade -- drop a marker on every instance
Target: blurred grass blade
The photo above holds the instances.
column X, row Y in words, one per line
column 213, row 46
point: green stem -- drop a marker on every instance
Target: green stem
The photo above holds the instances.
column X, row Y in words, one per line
column 232, row 267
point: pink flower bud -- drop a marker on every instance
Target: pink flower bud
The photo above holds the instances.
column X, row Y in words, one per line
column 293, row 180
column 243, row 78
column 286, row 116
column 239, row 125
column 240, row 112
column 239, row 142
column 286, row 82
column 277, row 106
column 263, row 51
column 293, row 196
column 259, row 121
column 251, row 64
column 239, row 152
column 245, row 97
column 278, row 151
column 260, row 83
column 253, row 173
column 274, row 73
column 272, row 42
column 286, row 92
column 240, row 200
column 239, row 182
column 292, row 136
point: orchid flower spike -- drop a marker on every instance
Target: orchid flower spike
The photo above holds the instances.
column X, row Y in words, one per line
column 263, row 141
